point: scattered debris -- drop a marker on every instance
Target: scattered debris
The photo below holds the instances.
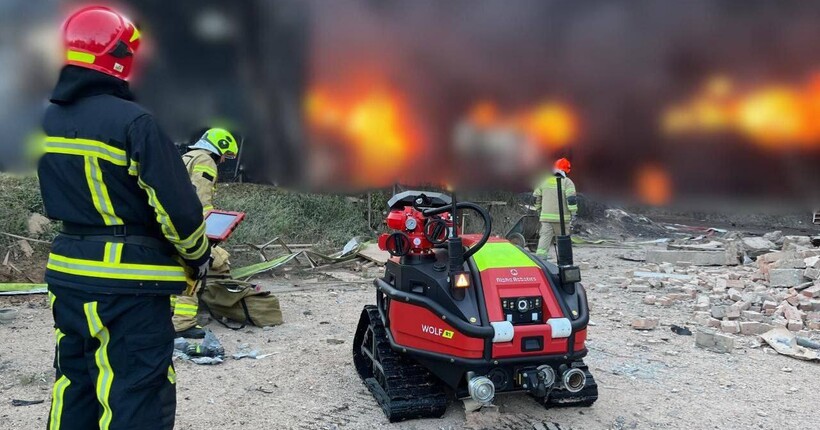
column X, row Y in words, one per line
column 683, row 331
column 371, row 252
column 644, row 323
column 8, row 315
column 785, row 342
column 756, row 246
column 713, row 341
column 210, row 351
column 26, row 248
column 18, row 402
column 245, row 351
column 22, row 289
column 693, row 258
column 38, row 224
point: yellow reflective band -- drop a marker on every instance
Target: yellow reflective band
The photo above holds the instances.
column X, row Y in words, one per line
column 163, row 218
column 85, row 147
column 80, row 57
column 170, row 232
column 105, row 376
column 194, row 237
column 172, row 374
column 205, row 169
column 206, row 209
column 100, row 269
column 133, row 168
column 173, row 301
column 113, row 252
column 51, row 299
column 57, row 399
column 99, row 192
column 135, row 35
column 185, row 310
column 196, row 253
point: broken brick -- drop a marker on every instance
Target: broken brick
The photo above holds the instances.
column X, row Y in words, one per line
column 811, row 292
column 750, row 327
column 752, row 316
column 795, row 325
column 644, row 323
column 729, row 327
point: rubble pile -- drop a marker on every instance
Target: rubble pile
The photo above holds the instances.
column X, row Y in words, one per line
column 778, row 286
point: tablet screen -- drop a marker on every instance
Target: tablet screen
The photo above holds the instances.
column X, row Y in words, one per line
column 218, row 225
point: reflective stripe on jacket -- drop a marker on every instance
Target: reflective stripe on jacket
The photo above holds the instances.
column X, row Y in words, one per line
column 106, row 162
column 546, row 199
column 203, row 173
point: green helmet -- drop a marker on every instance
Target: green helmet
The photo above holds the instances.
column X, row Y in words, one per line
column 219, row 141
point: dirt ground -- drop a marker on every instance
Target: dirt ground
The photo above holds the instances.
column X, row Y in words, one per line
column 647, row 380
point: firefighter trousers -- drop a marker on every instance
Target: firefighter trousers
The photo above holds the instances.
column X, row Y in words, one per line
column 184, row 307
column 546, row 238
column 113, row 361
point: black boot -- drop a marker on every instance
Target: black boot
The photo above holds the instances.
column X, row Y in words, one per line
column 195, row 332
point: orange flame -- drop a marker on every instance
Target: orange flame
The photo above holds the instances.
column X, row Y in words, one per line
column 773, row 116
column 550, row 124
column 373, row 126
column 653, row 185
column 553, row 125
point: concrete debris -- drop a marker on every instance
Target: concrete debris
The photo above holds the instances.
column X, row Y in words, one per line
column 644, row 323
column 28, row 251
column 659, row 275
column 796, row 243
column 711, row 340
column 785, row 277
column 755, row 246
column 781, row 291
column 774, row 236
column 38, row 224
column 692, row 258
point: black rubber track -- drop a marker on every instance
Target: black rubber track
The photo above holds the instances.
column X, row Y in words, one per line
column 402, row 387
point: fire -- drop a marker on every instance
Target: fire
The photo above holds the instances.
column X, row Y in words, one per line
column 372, row 127
column 484, row 114
column 653, row 185
column 773, row 116
column 550, row 124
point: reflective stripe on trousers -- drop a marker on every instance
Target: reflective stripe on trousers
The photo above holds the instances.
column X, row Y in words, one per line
column 105, row 377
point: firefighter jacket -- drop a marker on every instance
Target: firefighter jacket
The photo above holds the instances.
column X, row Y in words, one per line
column 546, row 199
column 202, row 171
column 106, row 162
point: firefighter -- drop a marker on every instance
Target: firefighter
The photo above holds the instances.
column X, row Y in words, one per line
column 546, row 205
column 132, row 235
column 213, row 148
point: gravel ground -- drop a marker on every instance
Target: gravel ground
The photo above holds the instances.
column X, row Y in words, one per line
column 653, row 379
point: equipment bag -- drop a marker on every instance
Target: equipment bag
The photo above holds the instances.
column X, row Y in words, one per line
column 241, row 302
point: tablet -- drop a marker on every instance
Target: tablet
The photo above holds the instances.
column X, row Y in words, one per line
column 220, row 224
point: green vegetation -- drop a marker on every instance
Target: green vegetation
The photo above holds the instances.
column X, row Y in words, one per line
column 326, row 220
column 19, row 198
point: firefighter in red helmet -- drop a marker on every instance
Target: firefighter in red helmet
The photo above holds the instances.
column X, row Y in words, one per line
column 132, row 235
column 546, row 204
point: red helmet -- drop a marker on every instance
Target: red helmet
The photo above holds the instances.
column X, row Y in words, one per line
column 563, row 165
column 102, row 39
